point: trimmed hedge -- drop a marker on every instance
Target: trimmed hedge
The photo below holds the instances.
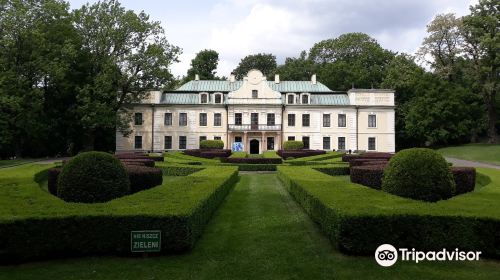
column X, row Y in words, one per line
column 299, row 153
column 92, row 177
column 358, row 219
column 208, row 153
column 373, row 156
column 132, row 156
column 252, row 160
column 419, row 173
column 139, row 161
column 238, row 155
column 368, row 175
column 256, row 167
column 293, row 145
column 333, row 170
column 53, row 174
column 177, row 170
column 212, row 144
column 465, row 179
column 365, row 161
column 143, row 178
column 47, row 227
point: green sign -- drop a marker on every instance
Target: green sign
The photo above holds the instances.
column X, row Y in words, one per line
column 145, row 241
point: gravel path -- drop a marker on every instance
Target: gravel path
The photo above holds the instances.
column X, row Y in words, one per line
column 462, row 162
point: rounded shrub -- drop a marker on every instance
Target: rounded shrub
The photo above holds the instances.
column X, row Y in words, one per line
column 93, row 177
column 419, row 173
column 293, row 145
column 212, row 144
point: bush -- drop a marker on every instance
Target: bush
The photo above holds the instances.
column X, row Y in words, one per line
column 293, row 145
column 139, row 161
column 93, row 177
column 256, row 167
column 373, row 156
column 367, row 161
column 132, row 156
column 143, row 178
column 53, row 174
column 212, row 144
column 419, row 173
column 288, row 154
column 253, row 160
column 208, row 153
column 177, row 170
column 369, row 175
column 333, row 170
column 465, row 179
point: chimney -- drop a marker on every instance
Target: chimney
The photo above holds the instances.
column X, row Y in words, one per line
column 196, row 77
column 232, row 78
column 313, row 79
column 277, row 79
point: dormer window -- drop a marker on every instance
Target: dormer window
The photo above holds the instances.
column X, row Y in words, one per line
column 255, row 93
column 204, row 98
column 290, row 98
column 218, row 98
column 305, row 98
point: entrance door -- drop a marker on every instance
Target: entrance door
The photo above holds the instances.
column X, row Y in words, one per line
column 305, row 140
column 254, row 146
column 254, row 121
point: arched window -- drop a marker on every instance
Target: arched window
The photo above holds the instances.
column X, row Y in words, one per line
column 290, row 98
column 305, row 98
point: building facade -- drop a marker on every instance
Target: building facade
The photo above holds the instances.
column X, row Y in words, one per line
column 262, row 115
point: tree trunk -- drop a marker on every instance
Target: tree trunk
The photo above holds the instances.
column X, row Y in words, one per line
column 492, row 119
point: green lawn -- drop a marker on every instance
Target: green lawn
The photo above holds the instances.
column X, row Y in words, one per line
column 259, row 232
column 476, row 152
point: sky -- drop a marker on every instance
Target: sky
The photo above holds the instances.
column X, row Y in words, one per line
column 236, row 28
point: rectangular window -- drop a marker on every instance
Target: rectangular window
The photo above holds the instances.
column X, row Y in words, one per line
column 371, row 143
column 204, row 98
column 372, row 120
column 291, row 119
column 270, row 143
column 255, row 93
column 305, row 99
column 341, row 145
column 203, row 119
column 168, row 119
column 291, row 138
column 182, row 142
column 342, row 120
column 306, row 119
column 138, row 142
column 238, row 139
column 217, row 119
column 168, row 142
column 305, row 140
column 254, row 121
column 326, row 143
column 218, row 98
column 217, row 138
column 203, row 138
column 270, row 119
column 238, row 119
column 183, row 119
column 138, row 119
column 326, row 120
column 290, row 99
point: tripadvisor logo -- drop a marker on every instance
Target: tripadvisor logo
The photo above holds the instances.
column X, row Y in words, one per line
column 387, row 255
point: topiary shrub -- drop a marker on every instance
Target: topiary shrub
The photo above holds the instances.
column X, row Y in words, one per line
column 293, row 145
column 368, row 175
column 93, row 177
column 419, row 173
column 465, row 179
column 53, row 174
column 212, row 144
column 143, row 177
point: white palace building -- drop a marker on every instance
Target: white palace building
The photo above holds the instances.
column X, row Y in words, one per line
column 262, row 115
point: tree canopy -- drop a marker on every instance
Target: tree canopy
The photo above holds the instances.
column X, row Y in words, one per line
column 266, row 63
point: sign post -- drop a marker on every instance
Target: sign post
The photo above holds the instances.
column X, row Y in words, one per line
column 145, row 241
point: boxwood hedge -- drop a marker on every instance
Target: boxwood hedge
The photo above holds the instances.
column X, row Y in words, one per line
column 358, row 219
column 37, row 225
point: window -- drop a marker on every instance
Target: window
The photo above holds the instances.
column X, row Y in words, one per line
column 168, row 119
column 306, row 120
column 218, row 98
column 372, row 120
column 290, row 99
column 371, row 143
column 204, row 98
column 270, row 143
column 183, row 119
column 217, row 119
column 238, row 139
column 291, row 119
column 342, row 120
column 202, row 138
column 291, row 138
column 182, row 142
column 341, row 145
column 203, row 119
column 238, row 119
column 326, row 143
column 168, row 142
column 270, row 119
column 138, row 119
column 217, row 138
column 255, row 93
column 305, row 99
column 305, row 140
column 138, row 142
column 326, row 120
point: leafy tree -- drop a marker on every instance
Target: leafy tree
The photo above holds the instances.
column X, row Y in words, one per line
column 204, row 64
column 266, row 63
column 129, row 55
column 297, row 69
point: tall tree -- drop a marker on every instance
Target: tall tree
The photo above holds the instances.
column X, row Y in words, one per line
column 266, row 63
column 129, row 55
column 297, row 69
column 204, row 64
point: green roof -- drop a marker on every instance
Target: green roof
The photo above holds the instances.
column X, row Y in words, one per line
column 226, row 86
